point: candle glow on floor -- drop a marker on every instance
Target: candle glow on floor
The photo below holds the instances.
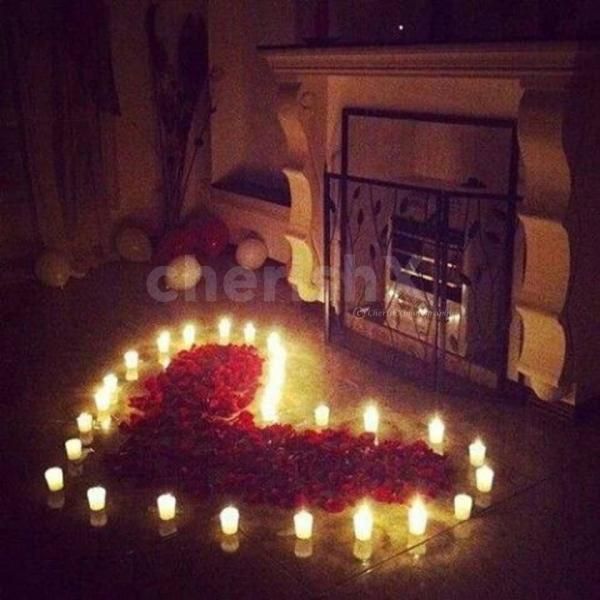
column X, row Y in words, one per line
column 270, row 404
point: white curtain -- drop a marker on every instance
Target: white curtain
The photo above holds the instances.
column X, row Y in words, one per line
column 69, row 104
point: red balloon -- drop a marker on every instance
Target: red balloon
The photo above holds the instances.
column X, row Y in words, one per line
column 176, row 243
column 212, row 236
column 205, row 238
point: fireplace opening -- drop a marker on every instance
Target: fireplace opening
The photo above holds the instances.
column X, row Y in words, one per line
column 420, row 227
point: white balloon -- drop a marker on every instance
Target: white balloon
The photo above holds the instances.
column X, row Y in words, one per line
column 53, row 268
column 133, row 244
column 183, row 272
column 251, row 253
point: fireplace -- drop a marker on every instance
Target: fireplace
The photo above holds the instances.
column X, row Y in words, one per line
column 420, row 223
column 544, row 89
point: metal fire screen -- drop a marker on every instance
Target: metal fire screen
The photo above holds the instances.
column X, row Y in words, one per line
column 419, row 268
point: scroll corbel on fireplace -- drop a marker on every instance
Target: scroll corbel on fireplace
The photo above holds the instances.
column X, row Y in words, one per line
column 295, row 110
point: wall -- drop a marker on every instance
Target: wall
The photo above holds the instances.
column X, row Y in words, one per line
column 248, row 147
column 378, row 21
column 248, row 140
column 133, row 169
column 138, row 166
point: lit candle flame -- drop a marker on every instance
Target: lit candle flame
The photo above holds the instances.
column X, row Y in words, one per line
column 484, row 478
column 102, row 400
column 96, row 498
column 111, row 382
column 477, row 452
column 189, row 335
column 74, row 449
column 274, row 342
column 163, row 342
column 463, row 504
column 54, row 479
column 363, row 523
column 303, row 525
column 322, row 415
column 371, row 419
column 230, row 518
column 269, row 403
column 167, row 505
column 85, row 422
column 277, row 363
column 417, row 517
column 249, row 334
column 224, row 330
column 131, row 358
column 436, row 430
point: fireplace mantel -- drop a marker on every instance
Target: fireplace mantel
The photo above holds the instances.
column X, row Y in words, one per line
column 547, row 88
column 498, row 61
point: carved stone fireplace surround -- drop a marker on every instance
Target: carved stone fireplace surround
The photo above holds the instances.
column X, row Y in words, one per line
column 550, row 91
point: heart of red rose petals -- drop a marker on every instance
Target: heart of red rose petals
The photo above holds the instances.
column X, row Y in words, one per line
column 190, row 430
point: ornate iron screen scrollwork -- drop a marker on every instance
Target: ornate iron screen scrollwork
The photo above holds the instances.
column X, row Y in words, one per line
column 424, row 265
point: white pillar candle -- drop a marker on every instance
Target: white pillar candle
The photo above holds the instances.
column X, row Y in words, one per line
column 96, row 498
column 477, row 453
column 54, row 479
column 484, row 477
column 277, row 362
column 224, row 330
column 271, row 395
column 189, row 335
column 363, row 523
column 436, row 431
column 102, row 400
column 277, row 359
column 249, row 334
column 85, row 422
column 111, row 382
column 371, row 419
column 74, row 449
column 268, row 406
column 230, row 520
column 463, row 504
column 322, row 415
column 417, row 518
column 163, row 342
column 166, row 504
column 273, row 342
column 132, row 359
column 303, row 525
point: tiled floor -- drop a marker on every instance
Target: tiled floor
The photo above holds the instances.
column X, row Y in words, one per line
column 536, row 535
